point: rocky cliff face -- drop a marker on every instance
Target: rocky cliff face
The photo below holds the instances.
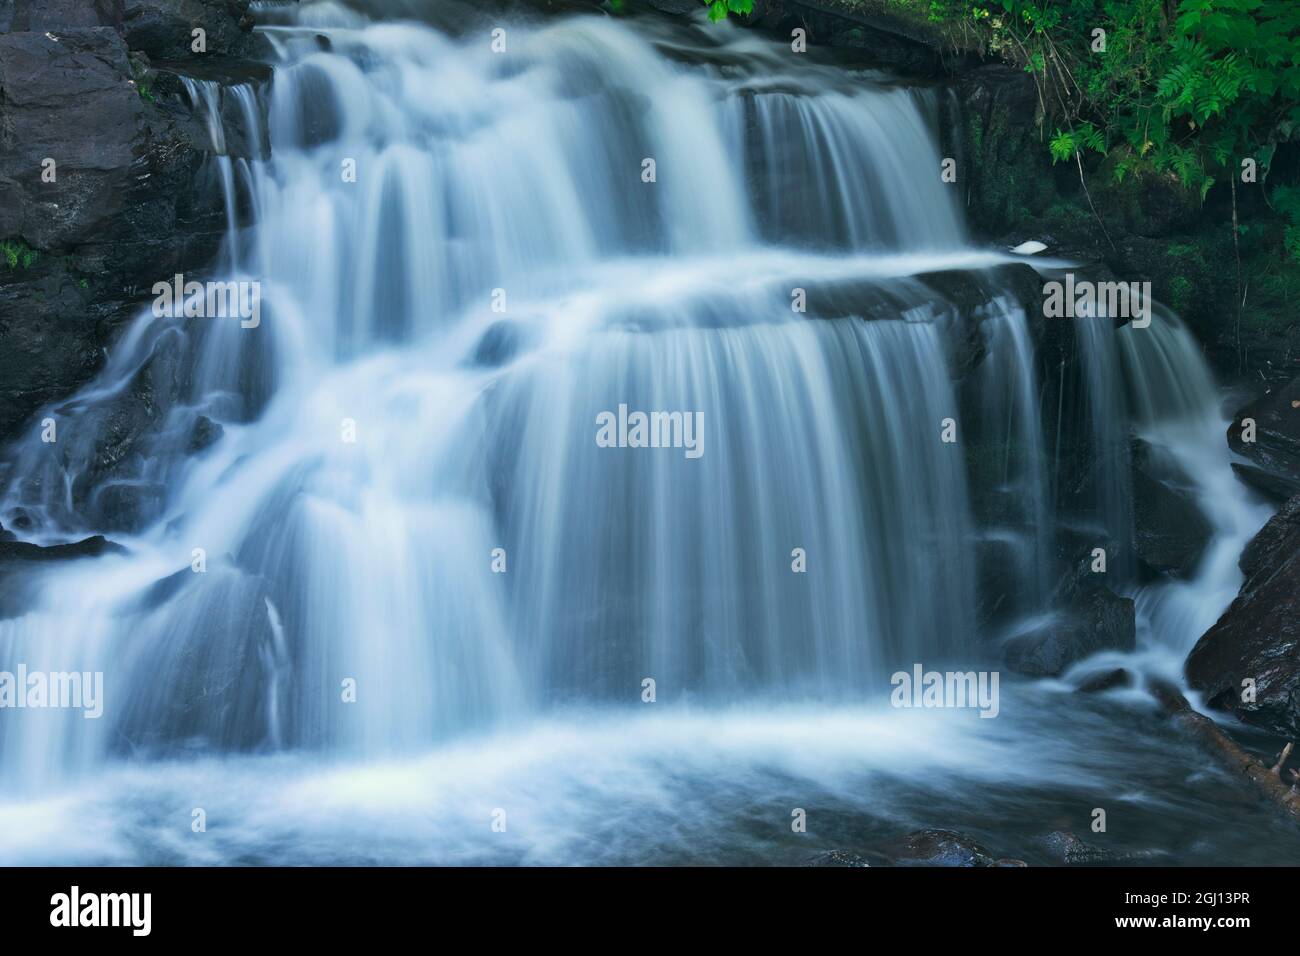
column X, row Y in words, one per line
column 105, row 184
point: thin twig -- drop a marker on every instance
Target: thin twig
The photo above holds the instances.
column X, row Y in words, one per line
column 1078, row 158
column 1282, row 758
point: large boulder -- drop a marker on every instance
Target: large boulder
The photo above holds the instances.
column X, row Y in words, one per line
column 164, row 29
column 1275, row 452
column 1258, row 637
column 1170, row 532
column 207, row 685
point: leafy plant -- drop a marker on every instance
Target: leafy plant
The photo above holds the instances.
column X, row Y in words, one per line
column 17, row 253
column 1286, row 200
column 1188, row 87
column 719, row 9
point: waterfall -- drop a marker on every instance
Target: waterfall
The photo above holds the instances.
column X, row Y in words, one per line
column 1010, row 400
column 1175, row 411
column 391, row 486
column 497, row 273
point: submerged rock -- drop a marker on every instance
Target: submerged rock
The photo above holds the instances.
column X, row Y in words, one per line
column 933, row 847
column 204, row 434
column 1258, row 637
column 1107, row 680
column 207, row 684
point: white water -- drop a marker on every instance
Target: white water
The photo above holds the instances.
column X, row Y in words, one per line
column 1175, row 412
column 475, row 429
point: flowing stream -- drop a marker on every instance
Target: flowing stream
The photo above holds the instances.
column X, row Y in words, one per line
column 461, row 267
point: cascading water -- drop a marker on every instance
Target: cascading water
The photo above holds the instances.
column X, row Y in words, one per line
column 1175, row 412
column 463, row 263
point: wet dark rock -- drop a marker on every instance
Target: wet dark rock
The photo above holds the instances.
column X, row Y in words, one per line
column 677, row 7
column 20, row 563
column 120, row 485
column 868, row 299
column 163, row 28
column 1170, row 533
column 1275, row 452
column 69, row 98
column 164, row 589
column 932, row 847
column 1047, row 649
column 1107, row 680
column 209, row 679
column 904, row 45
column 1096, row 620
column 204, row 434
column 1071, row 850
column 499, row 344
column 23, row 551
column 845, row 858
column 134, row 198
column 127, row 505
column 1268, row 483
column 1258, row 636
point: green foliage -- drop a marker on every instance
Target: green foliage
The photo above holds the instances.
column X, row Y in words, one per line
column 1189, row 87
column 17, row 253
column 1065, row 145
column 1286, row 200
column 718, row 9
